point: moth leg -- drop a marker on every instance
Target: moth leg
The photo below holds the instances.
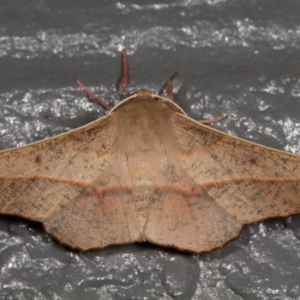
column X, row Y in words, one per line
column 125, row 76
column 213, row 120
column 92, row 95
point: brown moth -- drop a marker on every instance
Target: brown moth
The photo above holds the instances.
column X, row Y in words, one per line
column 147, row 172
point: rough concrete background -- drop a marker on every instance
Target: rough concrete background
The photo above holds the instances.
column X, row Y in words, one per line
column 239, row 57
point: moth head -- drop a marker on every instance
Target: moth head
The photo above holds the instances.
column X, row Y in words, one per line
column 145, row 94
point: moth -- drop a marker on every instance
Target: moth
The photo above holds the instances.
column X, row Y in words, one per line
column 147, row 172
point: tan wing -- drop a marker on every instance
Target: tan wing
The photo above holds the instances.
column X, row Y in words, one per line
column 250, row 182
column 39, row 179
column 215, row 184
column 69, row 183
column 184, row 216
column 102, row 215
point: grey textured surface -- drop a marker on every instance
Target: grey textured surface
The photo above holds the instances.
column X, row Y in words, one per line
column 236, row 57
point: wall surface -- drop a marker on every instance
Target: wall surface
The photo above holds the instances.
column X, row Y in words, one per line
column 241, row 58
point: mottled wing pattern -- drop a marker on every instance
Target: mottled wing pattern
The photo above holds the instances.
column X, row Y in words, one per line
column 68, row 182
column 214, row 184
column 250, row 182
column 186, row 186
column 102, row 215
column 39, row 179
column 184, row 216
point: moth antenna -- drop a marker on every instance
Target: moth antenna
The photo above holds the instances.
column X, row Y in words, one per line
column 92, row 95
column 213, row 120
column 125, row 76
column 168, row 87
